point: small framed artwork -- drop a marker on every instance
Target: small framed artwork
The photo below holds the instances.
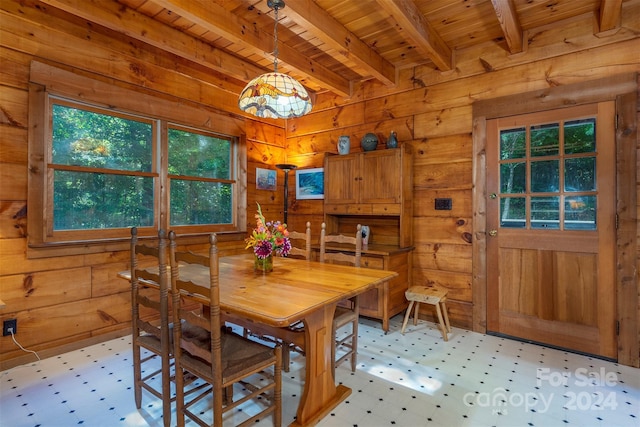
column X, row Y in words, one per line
column 310, row 183
column 265, row 179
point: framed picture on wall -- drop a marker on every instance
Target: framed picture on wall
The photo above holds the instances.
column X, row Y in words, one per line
column 265, row 179
column 310, row 183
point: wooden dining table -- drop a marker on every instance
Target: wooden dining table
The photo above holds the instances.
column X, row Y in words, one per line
column 296, row 290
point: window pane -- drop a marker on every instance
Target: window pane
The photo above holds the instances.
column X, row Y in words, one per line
column 512, row 143
column 545, row 212
column 544, row 176
column 580, row 213
column 198, row 202
column 193, row 154
column 512, row 212
column 85, row 201
column 580, row 136
column 512, row 178
column 86, row 138
column 580, row 174
column 545, row 140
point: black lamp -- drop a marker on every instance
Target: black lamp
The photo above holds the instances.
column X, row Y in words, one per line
column 286, row 168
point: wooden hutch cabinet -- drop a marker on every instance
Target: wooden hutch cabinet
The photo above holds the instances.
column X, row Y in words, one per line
column 375, row 188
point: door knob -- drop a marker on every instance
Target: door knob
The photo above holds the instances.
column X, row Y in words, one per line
column 493, row 233
column 493, row 195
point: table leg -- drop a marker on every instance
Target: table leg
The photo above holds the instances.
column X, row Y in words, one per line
column 320, row 394
column 385, row 307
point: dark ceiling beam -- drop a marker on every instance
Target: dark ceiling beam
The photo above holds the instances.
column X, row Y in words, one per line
column 508, row 19
column 218, row 20
column 419, row 31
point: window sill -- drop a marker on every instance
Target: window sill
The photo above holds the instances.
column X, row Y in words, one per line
column 58, row 249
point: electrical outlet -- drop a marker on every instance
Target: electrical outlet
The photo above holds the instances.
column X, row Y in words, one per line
column 9, row 324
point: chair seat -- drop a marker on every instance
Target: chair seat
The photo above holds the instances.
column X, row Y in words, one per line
column 239, row 355
column 426, row 294
column 290, row 337
column 150, row 342
column 343, row 316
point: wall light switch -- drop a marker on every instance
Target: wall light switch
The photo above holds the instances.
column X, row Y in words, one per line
column 443, row 204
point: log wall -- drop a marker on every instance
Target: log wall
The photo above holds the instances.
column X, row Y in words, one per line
column 432, row 111
column 65, row 302
column 69, row 301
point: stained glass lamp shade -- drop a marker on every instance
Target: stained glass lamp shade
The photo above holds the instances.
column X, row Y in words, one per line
column 275, row 96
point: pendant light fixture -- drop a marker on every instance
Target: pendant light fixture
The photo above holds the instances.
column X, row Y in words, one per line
column 275, row 95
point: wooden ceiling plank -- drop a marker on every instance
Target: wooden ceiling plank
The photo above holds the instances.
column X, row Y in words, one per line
column 318, row 22
column 508, row 18
column 218, row 20
column 610, row 15
column 420, row 32
column 140, row 27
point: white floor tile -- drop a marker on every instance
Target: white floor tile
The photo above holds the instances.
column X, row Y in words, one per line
column 416, row 379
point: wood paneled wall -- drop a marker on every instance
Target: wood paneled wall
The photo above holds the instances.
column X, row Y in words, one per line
column 432, row 111
column 69, row 301
column 65, row 302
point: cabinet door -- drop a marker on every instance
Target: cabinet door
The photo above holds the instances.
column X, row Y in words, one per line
column 341, row 179
column 380, row 172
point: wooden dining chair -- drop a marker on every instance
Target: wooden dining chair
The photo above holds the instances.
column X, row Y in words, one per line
column 290, row 337
column 150, row 322
column 218, row 357
column 300, row 243
column 294, row 336
column 349, row 251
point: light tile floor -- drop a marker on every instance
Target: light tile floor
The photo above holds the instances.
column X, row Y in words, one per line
column 412, row 380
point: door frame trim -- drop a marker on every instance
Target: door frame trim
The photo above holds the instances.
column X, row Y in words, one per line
column 621, row 88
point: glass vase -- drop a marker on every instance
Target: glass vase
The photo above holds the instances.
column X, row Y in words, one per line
column 264, row 265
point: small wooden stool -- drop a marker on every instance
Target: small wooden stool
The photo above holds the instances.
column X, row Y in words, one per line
column 429, row 295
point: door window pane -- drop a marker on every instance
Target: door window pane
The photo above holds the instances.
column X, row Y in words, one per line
column 545, row 140
column 580, row 136
column 580, row 213
column 545, row 212
column 513, row 212
column 513, row 143
column 548, row 175
column 513, row 178
column 545, row 176
column 580, row 174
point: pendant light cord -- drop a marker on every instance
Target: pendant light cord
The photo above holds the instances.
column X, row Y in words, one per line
column 275, row 35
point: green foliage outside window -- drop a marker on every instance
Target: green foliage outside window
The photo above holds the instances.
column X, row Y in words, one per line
column 203, row 199
column 554, row 177
column 105, row 173
column 101, row 147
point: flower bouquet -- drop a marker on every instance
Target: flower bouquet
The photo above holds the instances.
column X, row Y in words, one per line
column 268, row 239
